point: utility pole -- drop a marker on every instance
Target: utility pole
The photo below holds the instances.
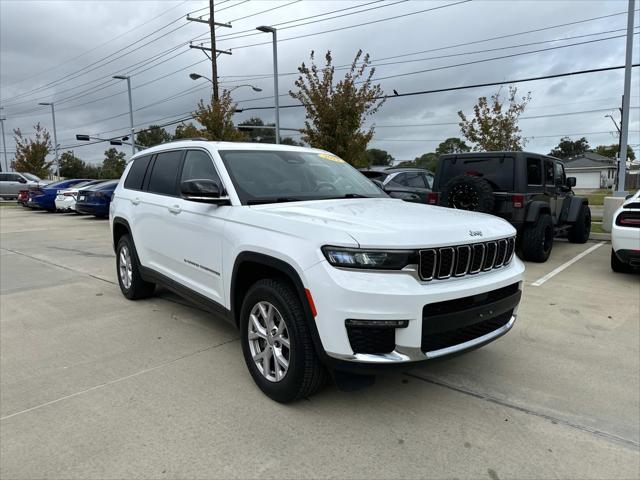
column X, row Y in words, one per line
column 4, row 144
column 625, row 103
column 214, row 52
column 55, row 136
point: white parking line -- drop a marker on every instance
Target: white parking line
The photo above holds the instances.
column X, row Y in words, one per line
column 556, row 271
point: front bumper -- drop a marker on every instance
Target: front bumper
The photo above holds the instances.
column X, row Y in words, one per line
column 341, row 294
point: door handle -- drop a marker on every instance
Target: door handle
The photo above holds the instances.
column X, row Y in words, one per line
column 175, row 209
column 135, row 201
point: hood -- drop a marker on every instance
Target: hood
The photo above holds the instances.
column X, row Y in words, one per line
column 387, row 222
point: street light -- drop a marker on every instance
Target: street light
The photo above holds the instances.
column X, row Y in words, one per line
column 196, row 76
column 273, row 32
column 55, row 138
column 133, row 138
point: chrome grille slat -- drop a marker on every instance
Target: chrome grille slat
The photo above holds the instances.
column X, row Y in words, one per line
column 460, row 260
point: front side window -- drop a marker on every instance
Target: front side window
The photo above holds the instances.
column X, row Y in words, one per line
column 548, row 172
column 165, row 173
column 198, row 165
column 135, row 177
column 268, row 176
column 534, row 171
column 561, row 179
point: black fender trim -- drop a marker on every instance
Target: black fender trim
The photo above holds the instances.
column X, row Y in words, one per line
column 535, row 209
column 119, row 221
column 203, row 302
column 574, row 208
column 295, row 279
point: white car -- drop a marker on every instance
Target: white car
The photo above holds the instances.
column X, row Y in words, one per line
column 625, row 236
column 66, row 199
column 317, row 267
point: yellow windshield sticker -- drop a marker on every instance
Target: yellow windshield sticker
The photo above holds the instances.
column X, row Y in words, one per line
column 328, row 156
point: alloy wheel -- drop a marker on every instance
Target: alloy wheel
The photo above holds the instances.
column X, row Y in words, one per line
column 125, row 268
column 269, row 341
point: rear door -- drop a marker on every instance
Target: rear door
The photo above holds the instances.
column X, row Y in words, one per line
column 9, row 184
column 154, row 236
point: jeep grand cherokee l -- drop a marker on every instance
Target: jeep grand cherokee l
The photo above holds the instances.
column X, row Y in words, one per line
column 319, row 269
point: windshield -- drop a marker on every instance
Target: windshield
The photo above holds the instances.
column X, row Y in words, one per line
column 269, row 176
column 498, row 171
column 31, row 177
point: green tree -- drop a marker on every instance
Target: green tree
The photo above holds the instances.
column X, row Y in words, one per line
column 31, row 153
column 611, row 151
column 259, row 135
column 113, row 164
column 452, row 145
column 290, row 141
column 71, row 166
column 428, row 161
column 186, row 130
column 217, row 119
column 494, row 127
column 335, row 113
column 568, row 148
column 92, row 171
column 375, row 156
column 154, row 135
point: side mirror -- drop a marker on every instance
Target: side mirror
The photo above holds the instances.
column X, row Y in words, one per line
column 571, row 182
column 202, row 190
column 22, row 180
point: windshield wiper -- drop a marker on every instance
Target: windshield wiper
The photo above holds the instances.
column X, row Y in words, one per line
column 260, row 201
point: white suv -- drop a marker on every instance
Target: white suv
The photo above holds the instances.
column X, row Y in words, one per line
column 319, row 269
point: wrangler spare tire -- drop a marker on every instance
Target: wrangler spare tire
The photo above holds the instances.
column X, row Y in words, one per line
column 465, row 192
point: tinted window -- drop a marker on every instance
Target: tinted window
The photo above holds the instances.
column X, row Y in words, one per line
column 136, row 173
column 165, row 173
column 534, row 171
column 198, row 165
column 560, row 176
column 414, row 180
column 4, row 177
column 548, row 172
column 497, row 171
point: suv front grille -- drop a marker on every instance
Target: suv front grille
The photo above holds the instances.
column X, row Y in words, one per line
column 461, row 260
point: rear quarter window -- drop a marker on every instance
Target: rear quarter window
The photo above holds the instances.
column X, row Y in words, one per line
column 136, row 174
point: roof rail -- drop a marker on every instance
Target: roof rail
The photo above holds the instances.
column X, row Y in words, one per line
column 195, row 139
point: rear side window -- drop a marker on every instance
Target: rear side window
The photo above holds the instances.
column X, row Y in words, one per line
column 534, row 171
column 4, row 177
column 136, row 173
column 165, row 173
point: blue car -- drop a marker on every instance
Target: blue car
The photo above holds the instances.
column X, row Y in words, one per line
column 45, row 197
column 96, row 200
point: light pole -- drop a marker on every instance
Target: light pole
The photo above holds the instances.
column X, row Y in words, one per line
column 196, row 76
column 55, row 136
column 272, row 30
column 4, row 142
column 133, row 133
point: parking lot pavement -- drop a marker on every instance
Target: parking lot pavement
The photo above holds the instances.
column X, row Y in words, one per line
column 95, row 386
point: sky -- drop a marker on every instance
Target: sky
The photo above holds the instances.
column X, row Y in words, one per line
column 67, row 52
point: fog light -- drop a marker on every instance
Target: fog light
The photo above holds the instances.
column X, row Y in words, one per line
column 377, row 323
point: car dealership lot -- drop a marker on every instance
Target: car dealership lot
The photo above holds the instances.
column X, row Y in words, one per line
column 95, row 386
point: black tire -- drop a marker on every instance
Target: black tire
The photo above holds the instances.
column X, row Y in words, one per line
column 305, row 374
column 537, row 239
column 579, row 232
column 138, row 287
column 465, row 192
column 618, row 265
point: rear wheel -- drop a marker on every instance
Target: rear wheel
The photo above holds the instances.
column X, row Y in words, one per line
column 618, row 265
column 277, row 344
column 537, row 239
column 579, row 232
column 130, row 280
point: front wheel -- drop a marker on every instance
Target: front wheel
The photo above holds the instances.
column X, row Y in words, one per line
column 581, row 229
column 277, row 344
column 537, row 239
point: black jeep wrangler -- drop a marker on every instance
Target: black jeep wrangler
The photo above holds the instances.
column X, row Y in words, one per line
column 529, row 190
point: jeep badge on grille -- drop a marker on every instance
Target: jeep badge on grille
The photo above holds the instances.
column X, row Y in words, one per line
column 475, row 233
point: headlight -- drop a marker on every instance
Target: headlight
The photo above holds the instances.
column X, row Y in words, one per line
column 369, row 259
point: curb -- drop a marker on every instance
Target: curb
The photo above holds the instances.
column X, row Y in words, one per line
column 599, row 237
